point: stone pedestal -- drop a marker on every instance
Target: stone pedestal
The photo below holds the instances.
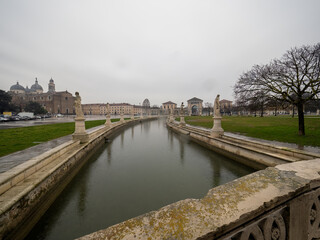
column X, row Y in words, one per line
column 132, row 117
column 171, row 119
column 217, row 130
column 182, row 122
column 80, row 130
column 121, row 118
column 108, row 122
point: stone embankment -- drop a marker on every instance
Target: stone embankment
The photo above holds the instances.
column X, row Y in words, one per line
column 255, row 154
column 28, row 189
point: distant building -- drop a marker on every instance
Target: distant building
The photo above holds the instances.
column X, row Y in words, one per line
column 225, row 106
column 195, row 106
column 116, row 109
column 94, row 109
column 168, row 105
column 54, row 102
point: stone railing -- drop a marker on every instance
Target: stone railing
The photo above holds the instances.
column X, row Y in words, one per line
column 277, row 203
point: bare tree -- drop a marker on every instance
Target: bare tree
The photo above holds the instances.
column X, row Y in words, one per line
column 295, row 78
column 208, row 108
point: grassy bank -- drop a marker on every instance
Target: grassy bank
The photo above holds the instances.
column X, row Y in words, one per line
column 280, row 128
column 16, row 139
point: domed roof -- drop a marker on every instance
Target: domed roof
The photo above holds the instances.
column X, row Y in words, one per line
column 146, row 103
column 17, row 87
column 36, row 86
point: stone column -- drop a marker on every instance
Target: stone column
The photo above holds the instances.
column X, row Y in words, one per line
column 108, row 122
column 132, row 114
column 217, row 130
column 80, row 128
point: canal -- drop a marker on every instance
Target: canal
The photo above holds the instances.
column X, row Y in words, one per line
column 140, row 169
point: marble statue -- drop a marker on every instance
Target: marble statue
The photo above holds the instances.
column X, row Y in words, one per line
column 108, row 108
column 182, row 109
column 216, row 107
column 77, row 105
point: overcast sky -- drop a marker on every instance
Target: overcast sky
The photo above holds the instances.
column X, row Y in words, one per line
column 129, row 50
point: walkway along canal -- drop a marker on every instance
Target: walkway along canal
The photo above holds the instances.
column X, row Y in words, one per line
column 140, row 169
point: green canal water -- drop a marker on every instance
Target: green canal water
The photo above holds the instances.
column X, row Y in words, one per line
column 141, row 169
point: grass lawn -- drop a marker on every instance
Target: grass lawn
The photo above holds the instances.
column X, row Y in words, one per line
column 16, row 139
column 279, row 128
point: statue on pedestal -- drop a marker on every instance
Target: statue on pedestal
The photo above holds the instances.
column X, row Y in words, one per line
column 108, row 118
column 80, row 129
column 182, row 122
column 108, row 109
column 217, row 130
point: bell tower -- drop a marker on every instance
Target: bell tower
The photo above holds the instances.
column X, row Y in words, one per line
column 51, row 86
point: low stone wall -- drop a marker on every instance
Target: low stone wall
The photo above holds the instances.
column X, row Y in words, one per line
column 27, row 190
column 254, row 154
column 281, row 202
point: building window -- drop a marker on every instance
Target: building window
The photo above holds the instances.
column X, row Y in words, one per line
column 34, row 98
column 66, row 98
column 49, row 97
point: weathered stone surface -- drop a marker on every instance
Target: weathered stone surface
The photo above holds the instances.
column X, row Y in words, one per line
column 217, row 130
column 80, row 130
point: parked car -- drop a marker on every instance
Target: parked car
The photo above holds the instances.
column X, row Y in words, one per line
column 3, row 119
column 16, row 118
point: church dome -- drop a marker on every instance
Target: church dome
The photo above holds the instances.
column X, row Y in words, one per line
column 17, row 87
column 146, row 103
column 36, row 87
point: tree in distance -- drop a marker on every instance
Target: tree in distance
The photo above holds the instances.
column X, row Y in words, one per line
column 294, row 79
column 35, row 107
column 5, row 102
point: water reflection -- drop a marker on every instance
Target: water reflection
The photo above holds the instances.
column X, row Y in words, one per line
column 150, row 168
column 181, row 144
column 109, row 152
column 132, row 132
column 122, row 139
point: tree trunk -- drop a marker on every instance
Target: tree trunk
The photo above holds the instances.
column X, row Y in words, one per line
column 292, row 110
column 301, row 119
